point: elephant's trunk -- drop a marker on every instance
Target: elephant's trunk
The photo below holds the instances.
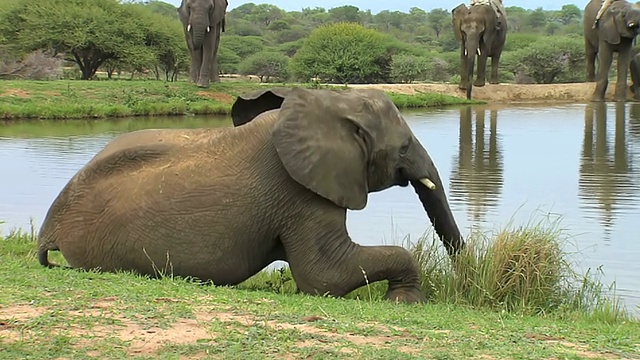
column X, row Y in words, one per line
column 199, row 27
column 472, row 49
column 434, row 199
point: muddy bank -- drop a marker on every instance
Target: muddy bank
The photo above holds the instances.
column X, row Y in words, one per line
column 506, row 93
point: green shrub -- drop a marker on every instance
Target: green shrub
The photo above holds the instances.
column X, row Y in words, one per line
column 343, row 53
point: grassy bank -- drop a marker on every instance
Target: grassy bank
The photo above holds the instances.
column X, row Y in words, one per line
column 517, row 303
column 73, row 99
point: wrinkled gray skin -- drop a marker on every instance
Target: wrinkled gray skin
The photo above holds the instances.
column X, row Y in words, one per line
column 224, row 203
column 634, row 69
column 202, row 22
column 475, row 29
column 617, row 28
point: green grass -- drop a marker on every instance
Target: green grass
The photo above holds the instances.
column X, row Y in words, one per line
column 75, row 99
column 63, row 313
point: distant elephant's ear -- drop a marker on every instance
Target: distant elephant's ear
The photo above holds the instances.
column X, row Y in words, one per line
column 247, row 107
column 457, row 14
column 607, row 28
column 324, row 140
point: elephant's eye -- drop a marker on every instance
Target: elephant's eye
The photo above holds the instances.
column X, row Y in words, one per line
column 404, row 149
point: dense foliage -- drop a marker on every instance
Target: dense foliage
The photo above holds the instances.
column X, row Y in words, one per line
column 341, row 45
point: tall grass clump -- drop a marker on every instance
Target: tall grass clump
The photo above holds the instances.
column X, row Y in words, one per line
column 522, row 269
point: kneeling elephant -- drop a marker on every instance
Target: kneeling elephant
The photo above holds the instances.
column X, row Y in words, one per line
column 221, row 204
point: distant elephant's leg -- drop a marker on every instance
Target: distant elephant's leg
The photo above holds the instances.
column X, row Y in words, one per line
column 634, row 69
column 624, row 57
column 591, row 63
column 482, row 70
column 324, row 261
column 605, row 57
column 495, row 61
column 215, row 70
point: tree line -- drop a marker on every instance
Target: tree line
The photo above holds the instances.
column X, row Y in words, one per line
column 339, row 45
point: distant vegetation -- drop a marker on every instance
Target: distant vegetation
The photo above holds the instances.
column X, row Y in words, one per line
column 338, row 45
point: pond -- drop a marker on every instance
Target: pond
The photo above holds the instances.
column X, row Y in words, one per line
column 502, row 165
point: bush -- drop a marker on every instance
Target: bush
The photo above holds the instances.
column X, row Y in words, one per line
column 343, row 53
column 267, row 65
column 559, row 59
column 35, row 66
column 408, row 68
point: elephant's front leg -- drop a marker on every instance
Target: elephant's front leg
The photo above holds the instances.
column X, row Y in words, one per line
column 624, row 58
column 605, row 57
column 591, row 63
column 495, row 61
column 481, row 71
column 324, row 261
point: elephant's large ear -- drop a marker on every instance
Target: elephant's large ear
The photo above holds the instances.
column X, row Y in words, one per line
column 324, row 140
column 457, row 14
column 607, row 28
column 217, row 15
column 248, row 106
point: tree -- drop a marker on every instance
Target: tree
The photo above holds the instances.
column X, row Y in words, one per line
column 266, row 65
column 346, row 13
column 343, row 53
column 569, row 13
column 438, row 19
column 88, row 32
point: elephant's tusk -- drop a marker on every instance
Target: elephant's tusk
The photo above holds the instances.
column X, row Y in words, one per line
column 631, row 24
column 478, row 51
column 188, row 27
column 465, row 52
column 426, row 182
column 208, row 29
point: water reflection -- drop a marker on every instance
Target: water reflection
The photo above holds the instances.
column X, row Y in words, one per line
column 477, row 171
column 606, row 173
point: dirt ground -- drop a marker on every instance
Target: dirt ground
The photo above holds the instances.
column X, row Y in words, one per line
column 15, row 326
column 506, row 93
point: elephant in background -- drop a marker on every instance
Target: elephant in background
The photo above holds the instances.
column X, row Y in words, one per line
column 616, row 30
column 634, row 69
column 203, row 21
column 479, row 33
column 232, row 200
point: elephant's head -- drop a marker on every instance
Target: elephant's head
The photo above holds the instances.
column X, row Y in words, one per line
column 343, row 145
column 622, row 19
column 475, row 28
column 200, row 17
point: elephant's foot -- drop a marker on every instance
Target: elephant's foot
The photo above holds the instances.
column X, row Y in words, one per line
column 462, row 86
column 597, row 98
column 406, row 295
column 494, row 82
column 203, row 83
column 478, row 83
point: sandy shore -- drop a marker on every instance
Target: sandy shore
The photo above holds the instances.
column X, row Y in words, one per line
column 506, row 93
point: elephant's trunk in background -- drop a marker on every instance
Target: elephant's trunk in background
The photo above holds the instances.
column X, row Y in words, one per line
column 434, row 201
column 472, row 49
column 199, row 25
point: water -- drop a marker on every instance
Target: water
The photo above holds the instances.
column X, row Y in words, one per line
column 501, row 165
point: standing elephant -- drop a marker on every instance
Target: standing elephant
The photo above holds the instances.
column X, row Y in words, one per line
column 232, row 200
column 634, row 69
column 202, row 22
column 482, row 31
column 616, row 30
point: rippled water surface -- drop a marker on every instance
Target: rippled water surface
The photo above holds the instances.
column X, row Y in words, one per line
column 501, row 165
